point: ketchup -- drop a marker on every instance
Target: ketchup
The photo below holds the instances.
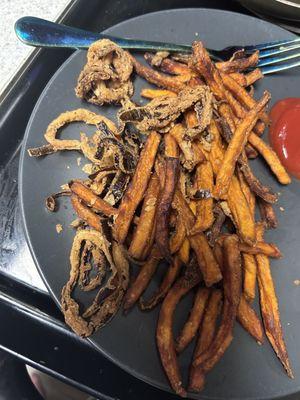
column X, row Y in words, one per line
column 284, row 133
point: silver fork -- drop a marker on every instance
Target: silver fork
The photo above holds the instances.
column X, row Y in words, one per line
column 273, row 56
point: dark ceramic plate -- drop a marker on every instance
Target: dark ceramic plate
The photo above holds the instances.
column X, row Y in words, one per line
column 247, row 371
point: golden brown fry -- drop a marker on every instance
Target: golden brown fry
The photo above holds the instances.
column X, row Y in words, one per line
column 236, row 200
column 91, row 199
column 159, row 79
column 142, row 280
column 178, row 238
column 85, row 213
column 164, row 334
column 239, row 64
column 169, row 66
column 191, row 152
column 136, row 188
column 164, row 206
column 253, row 76
column 204, row 210
column 154, row 93
column 236, row 146
column 268, row 215
column 206, row 335
column 242, row 95
column 191, row 119
column 250, row 197
column 171, row 148
column 250, row 272
column 268, row 249
column 142, row 233
column 232, row 280
column 249, row 320
column 271, row 158
column 167, row 282
column 184, row 251
column 269, row 307
column 193, row 322
column 205, row 257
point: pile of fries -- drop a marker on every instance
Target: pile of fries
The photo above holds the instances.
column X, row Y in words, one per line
column 186, row 202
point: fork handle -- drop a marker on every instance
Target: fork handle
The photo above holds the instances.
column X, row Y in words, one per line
column 42, row 33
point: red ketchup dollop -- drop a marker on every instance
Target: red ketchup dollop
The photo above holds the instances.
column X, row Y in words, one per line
column 284, row 133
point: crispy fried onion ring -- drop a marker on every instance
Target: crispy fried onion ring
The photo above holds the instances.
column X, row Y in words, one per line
column 106, row 76
column 87, row 244
column 161, row 112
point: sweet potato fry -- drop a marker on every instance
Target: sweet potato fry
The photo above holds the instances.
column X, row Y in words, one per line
column 268, row 249
column 142, row 233
column 250, row 273
column 184, row 251
column 164, row 206
column 159, row 79
column 190, row 118
column 193, row 322
column 219, row 219
column 164, row 334
column 205, row 257
column 191, row 152
column 250, row 321
column 243, row 96
column 142, row 280
column 253, row 76
column 232, row 280
column 269, row 307
column 85, row 213
column 136, row 188
column 238, row 65
column 268, row 215
column 170, row 66
column 171, row 148
column 167, row 282
column 256, row 186
column 206, row 335
column 154, row 93
column 250, row 197
column 271, row 158
column 91, row 199
column 177, row 239
column 235, row 147
column 204, row 210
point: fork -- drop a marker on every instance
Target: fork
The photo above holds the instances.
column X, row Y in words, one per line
column 273, row 56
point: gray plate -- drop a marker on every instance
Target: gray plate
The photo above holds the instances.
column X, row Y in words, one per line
column 247, row 371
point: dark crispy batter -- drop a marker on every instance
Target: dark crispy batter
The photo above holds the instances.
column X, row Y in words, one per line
column 167, row 282
column 51, row 201
column 164, row 206
column 164, row 334
column 215, row 230
column 162, row 111
column 193, row 322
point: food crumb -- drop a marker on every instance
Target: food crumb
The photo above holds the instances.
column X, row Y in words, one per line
column 68, row 166
column 65, row 187
column 281, row 208
column 58, row 228
column 196, row 33
column 78, row 161
column 297, row 282
column 279, row 193
column 288, row 324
